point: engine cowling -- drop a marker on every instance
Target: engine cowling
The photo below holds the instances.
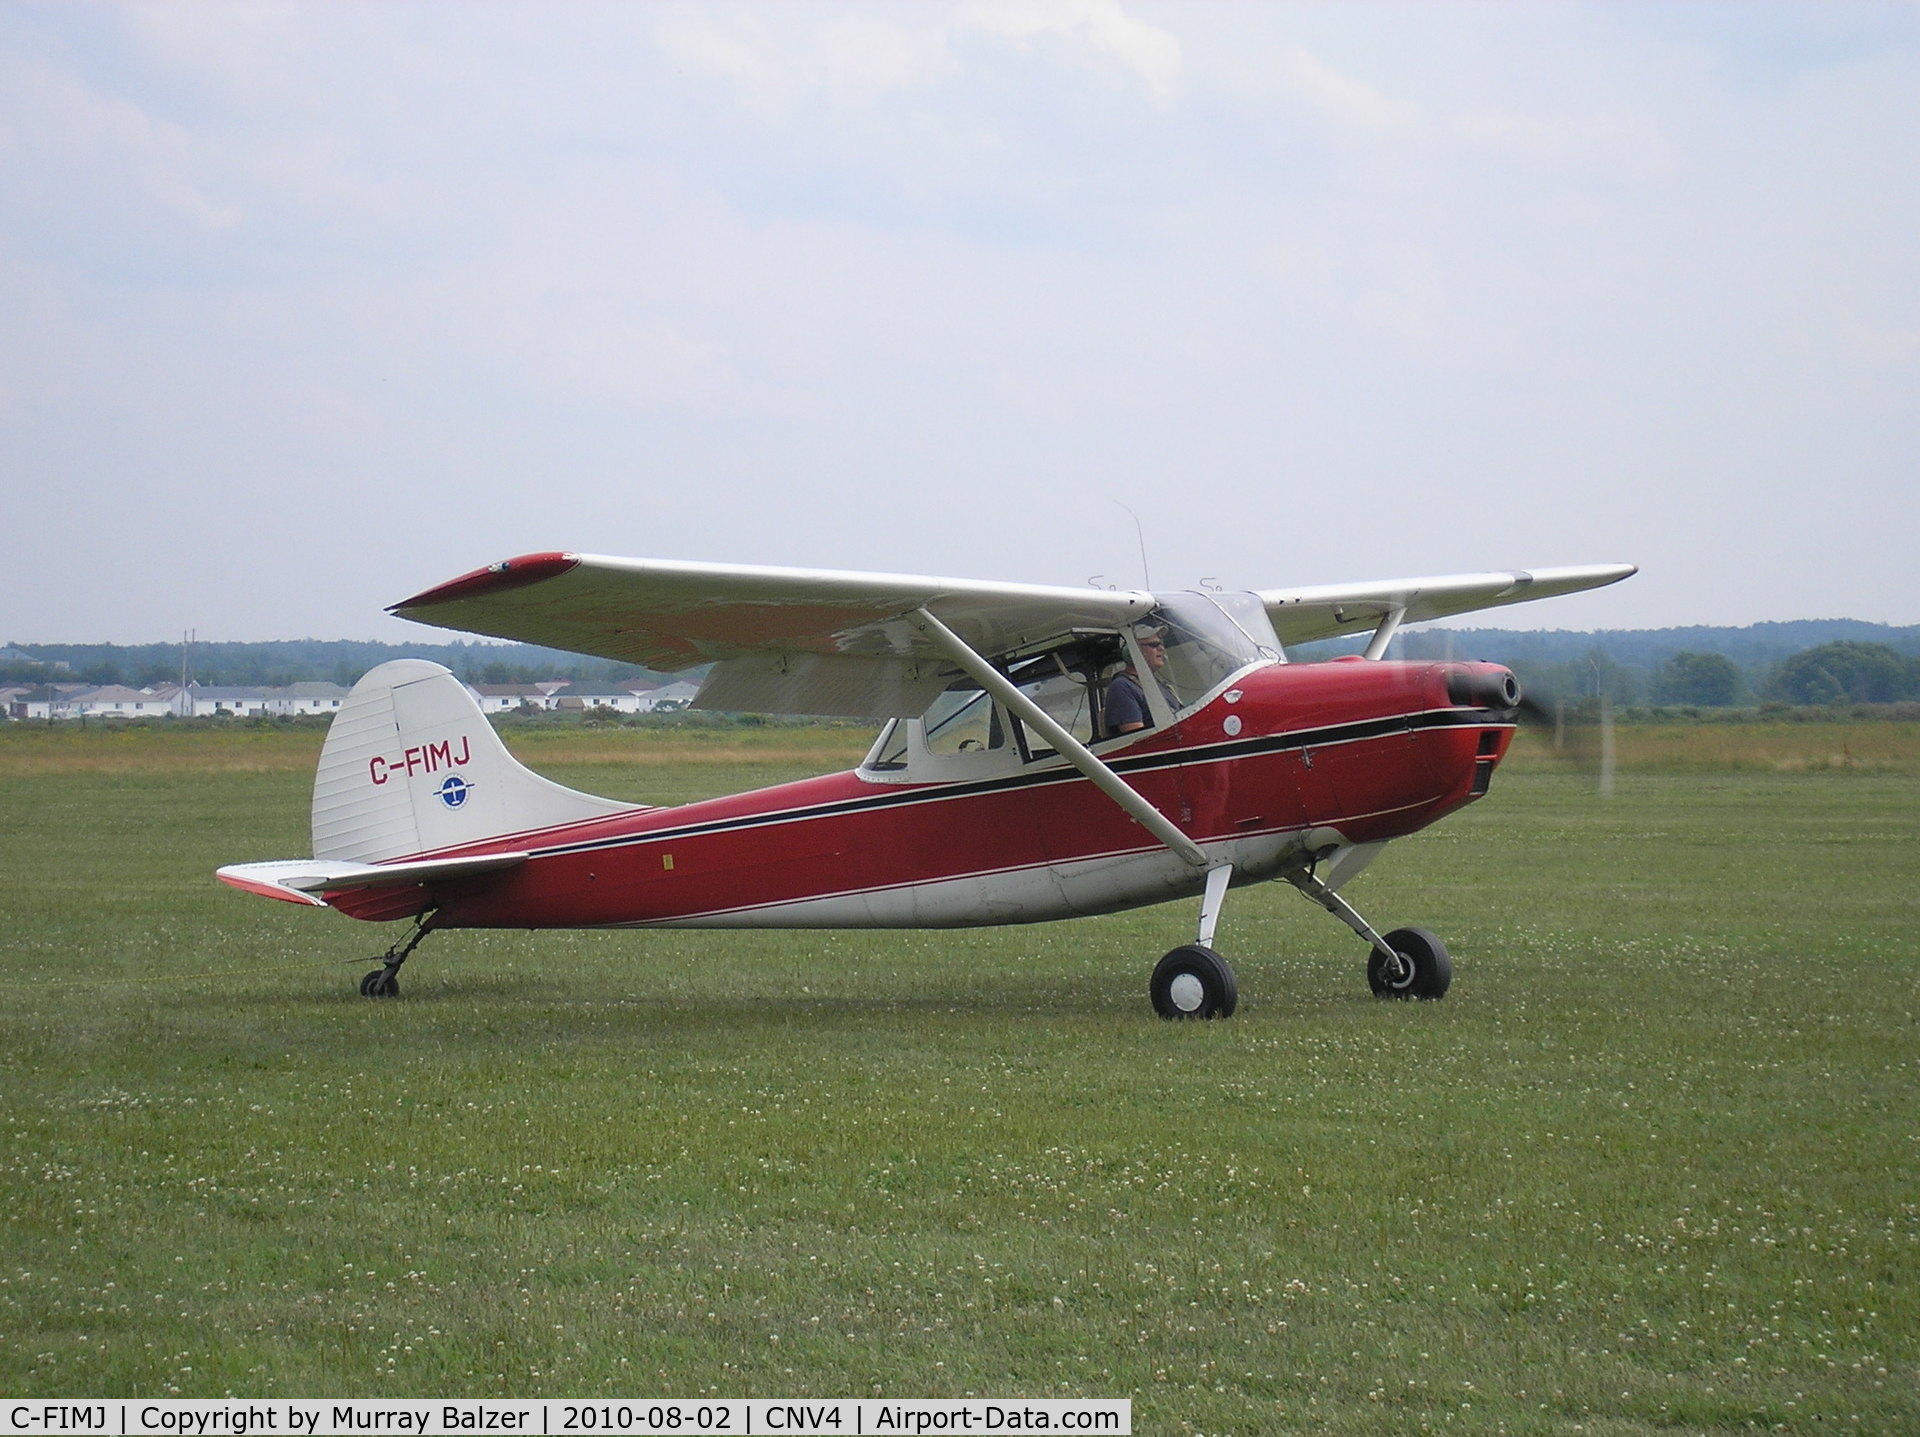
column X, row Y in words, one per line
column 1483, row 686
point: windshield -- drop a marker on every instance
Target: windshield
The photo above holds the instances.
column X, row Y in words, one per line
column 1209, row 637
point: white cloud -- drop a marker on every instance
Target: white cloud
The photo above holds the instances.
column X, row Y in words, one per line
column 859, row 54
column 1878, row 343
column 239, row 49
column 1412, row 303
column 772, row 60
column 1099, row 28
column 577, row 337
column 1341, row 98
column 1623, row 142
column 925, row 287
column 70, row 143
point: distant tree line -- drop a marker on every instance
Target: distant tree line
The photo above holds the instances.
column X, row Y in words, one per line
column 296, row 661
column 1809, row 663
column 1846, row 671
column 1804, row 663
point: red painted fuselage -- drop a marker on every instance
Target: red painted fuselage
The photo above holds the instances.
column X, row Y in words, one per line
column 1284, row 763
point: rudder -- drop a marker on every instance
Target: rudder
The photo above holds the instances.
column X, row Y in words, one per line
column 412, row 766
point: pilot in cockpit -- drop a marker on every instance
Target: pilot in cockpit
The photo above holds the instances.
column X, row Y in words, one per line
column 1126, row 702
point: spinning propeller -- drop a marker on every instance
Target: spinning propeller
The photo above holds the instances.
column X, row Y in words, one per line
column 1579, row 734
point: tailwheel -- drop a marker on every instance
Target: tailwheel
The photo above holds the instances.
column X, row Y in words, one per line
column 384, row 982
column 1193, row 982
column 1425, row 969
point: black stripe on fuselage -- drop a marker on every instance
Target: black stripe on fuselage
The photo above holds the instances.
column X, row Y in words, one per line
column 1146, row 763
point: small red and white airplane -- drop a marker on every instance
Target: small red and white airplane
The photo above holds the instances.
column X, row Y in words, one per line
column 1049, row 753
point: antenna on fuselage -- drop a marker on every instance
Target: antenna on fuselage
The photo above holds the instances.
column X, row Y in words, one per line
column 1140, row 534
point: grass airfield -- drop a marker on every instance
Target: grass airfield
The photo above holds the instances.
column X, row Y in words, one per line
column 1654, row 1165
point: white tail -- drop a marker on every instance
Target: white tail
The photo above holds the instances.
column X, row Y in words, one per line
column 412, row 766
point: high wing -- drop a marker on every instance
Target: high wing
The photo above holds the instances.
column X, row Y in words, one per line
column 1331, row 610
column 816, row 641
column 824, row 641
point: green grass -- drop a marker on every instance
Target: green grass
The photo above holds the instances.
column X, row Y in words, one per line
column 1883, row 746
column 1652, row 1166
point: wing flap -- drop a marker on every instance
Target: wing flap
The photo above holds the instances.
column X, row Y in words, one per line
column 302, row 880
column 839, row 685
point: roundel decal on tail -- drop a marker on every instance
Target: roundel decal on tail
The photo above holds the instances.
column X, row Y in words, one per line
column 454, row 790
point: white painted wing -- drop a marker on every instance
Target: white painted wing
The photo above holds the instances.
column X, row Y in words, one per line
column 816, row 641
column 1330, row 610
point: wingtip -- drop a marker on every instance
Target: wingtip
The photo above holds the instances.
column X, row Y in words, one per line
column 508, row 574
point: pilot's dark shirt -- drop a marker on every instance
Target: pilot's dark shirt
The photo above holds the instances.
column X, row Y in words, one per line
column 1127, row 703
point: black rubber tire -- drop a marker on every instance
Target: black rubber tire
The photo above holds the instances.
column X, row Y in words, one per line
column 1208, row 992
column 1431, row 965
column 380, row 984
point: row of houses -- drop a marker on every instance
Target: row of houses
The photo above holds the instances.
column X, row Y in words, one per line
column 54, row 702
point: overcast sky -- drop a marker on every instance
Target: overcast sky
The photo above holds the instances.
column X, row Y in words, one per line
column 306, row 307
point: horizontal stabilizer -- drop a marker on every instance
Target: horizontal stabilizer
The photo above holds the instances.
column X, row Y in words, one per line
column 300, row 880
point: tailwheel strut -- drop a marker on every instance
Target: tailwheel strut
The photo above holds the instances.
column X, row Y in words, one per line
column 384, row 981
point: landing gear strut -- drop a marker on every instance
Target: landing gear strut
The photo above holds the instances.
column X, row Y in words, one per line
column 384, row 982
column 1406, row 963
column 1193, row 981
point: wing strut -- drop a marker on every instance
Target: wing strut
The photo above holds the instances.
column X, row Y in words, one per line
column 1382, row 636
column 1069, row 747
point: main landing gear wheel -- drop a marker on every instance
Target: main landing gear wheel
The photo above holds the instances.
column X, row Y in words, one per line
column 1426, row 970
column 1193, row 982
column 380, row 983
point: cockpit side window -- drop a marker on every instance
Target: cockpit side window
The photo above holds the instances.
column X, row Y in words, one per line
column 1187, row 647
column 1085, row 680
column 963, row 720
column 1068, row 680
column 889, row 752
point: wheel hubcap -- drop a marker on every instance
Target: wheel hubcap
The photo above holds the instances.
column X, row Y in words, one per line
column 1187, row 993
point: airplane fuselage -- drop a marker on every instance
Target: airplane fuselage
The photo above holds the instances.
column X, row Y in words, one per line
column 1285, row 762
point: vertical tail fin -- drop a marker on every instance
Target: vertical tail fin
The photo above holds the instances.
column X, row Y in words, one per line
column 412, row 766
